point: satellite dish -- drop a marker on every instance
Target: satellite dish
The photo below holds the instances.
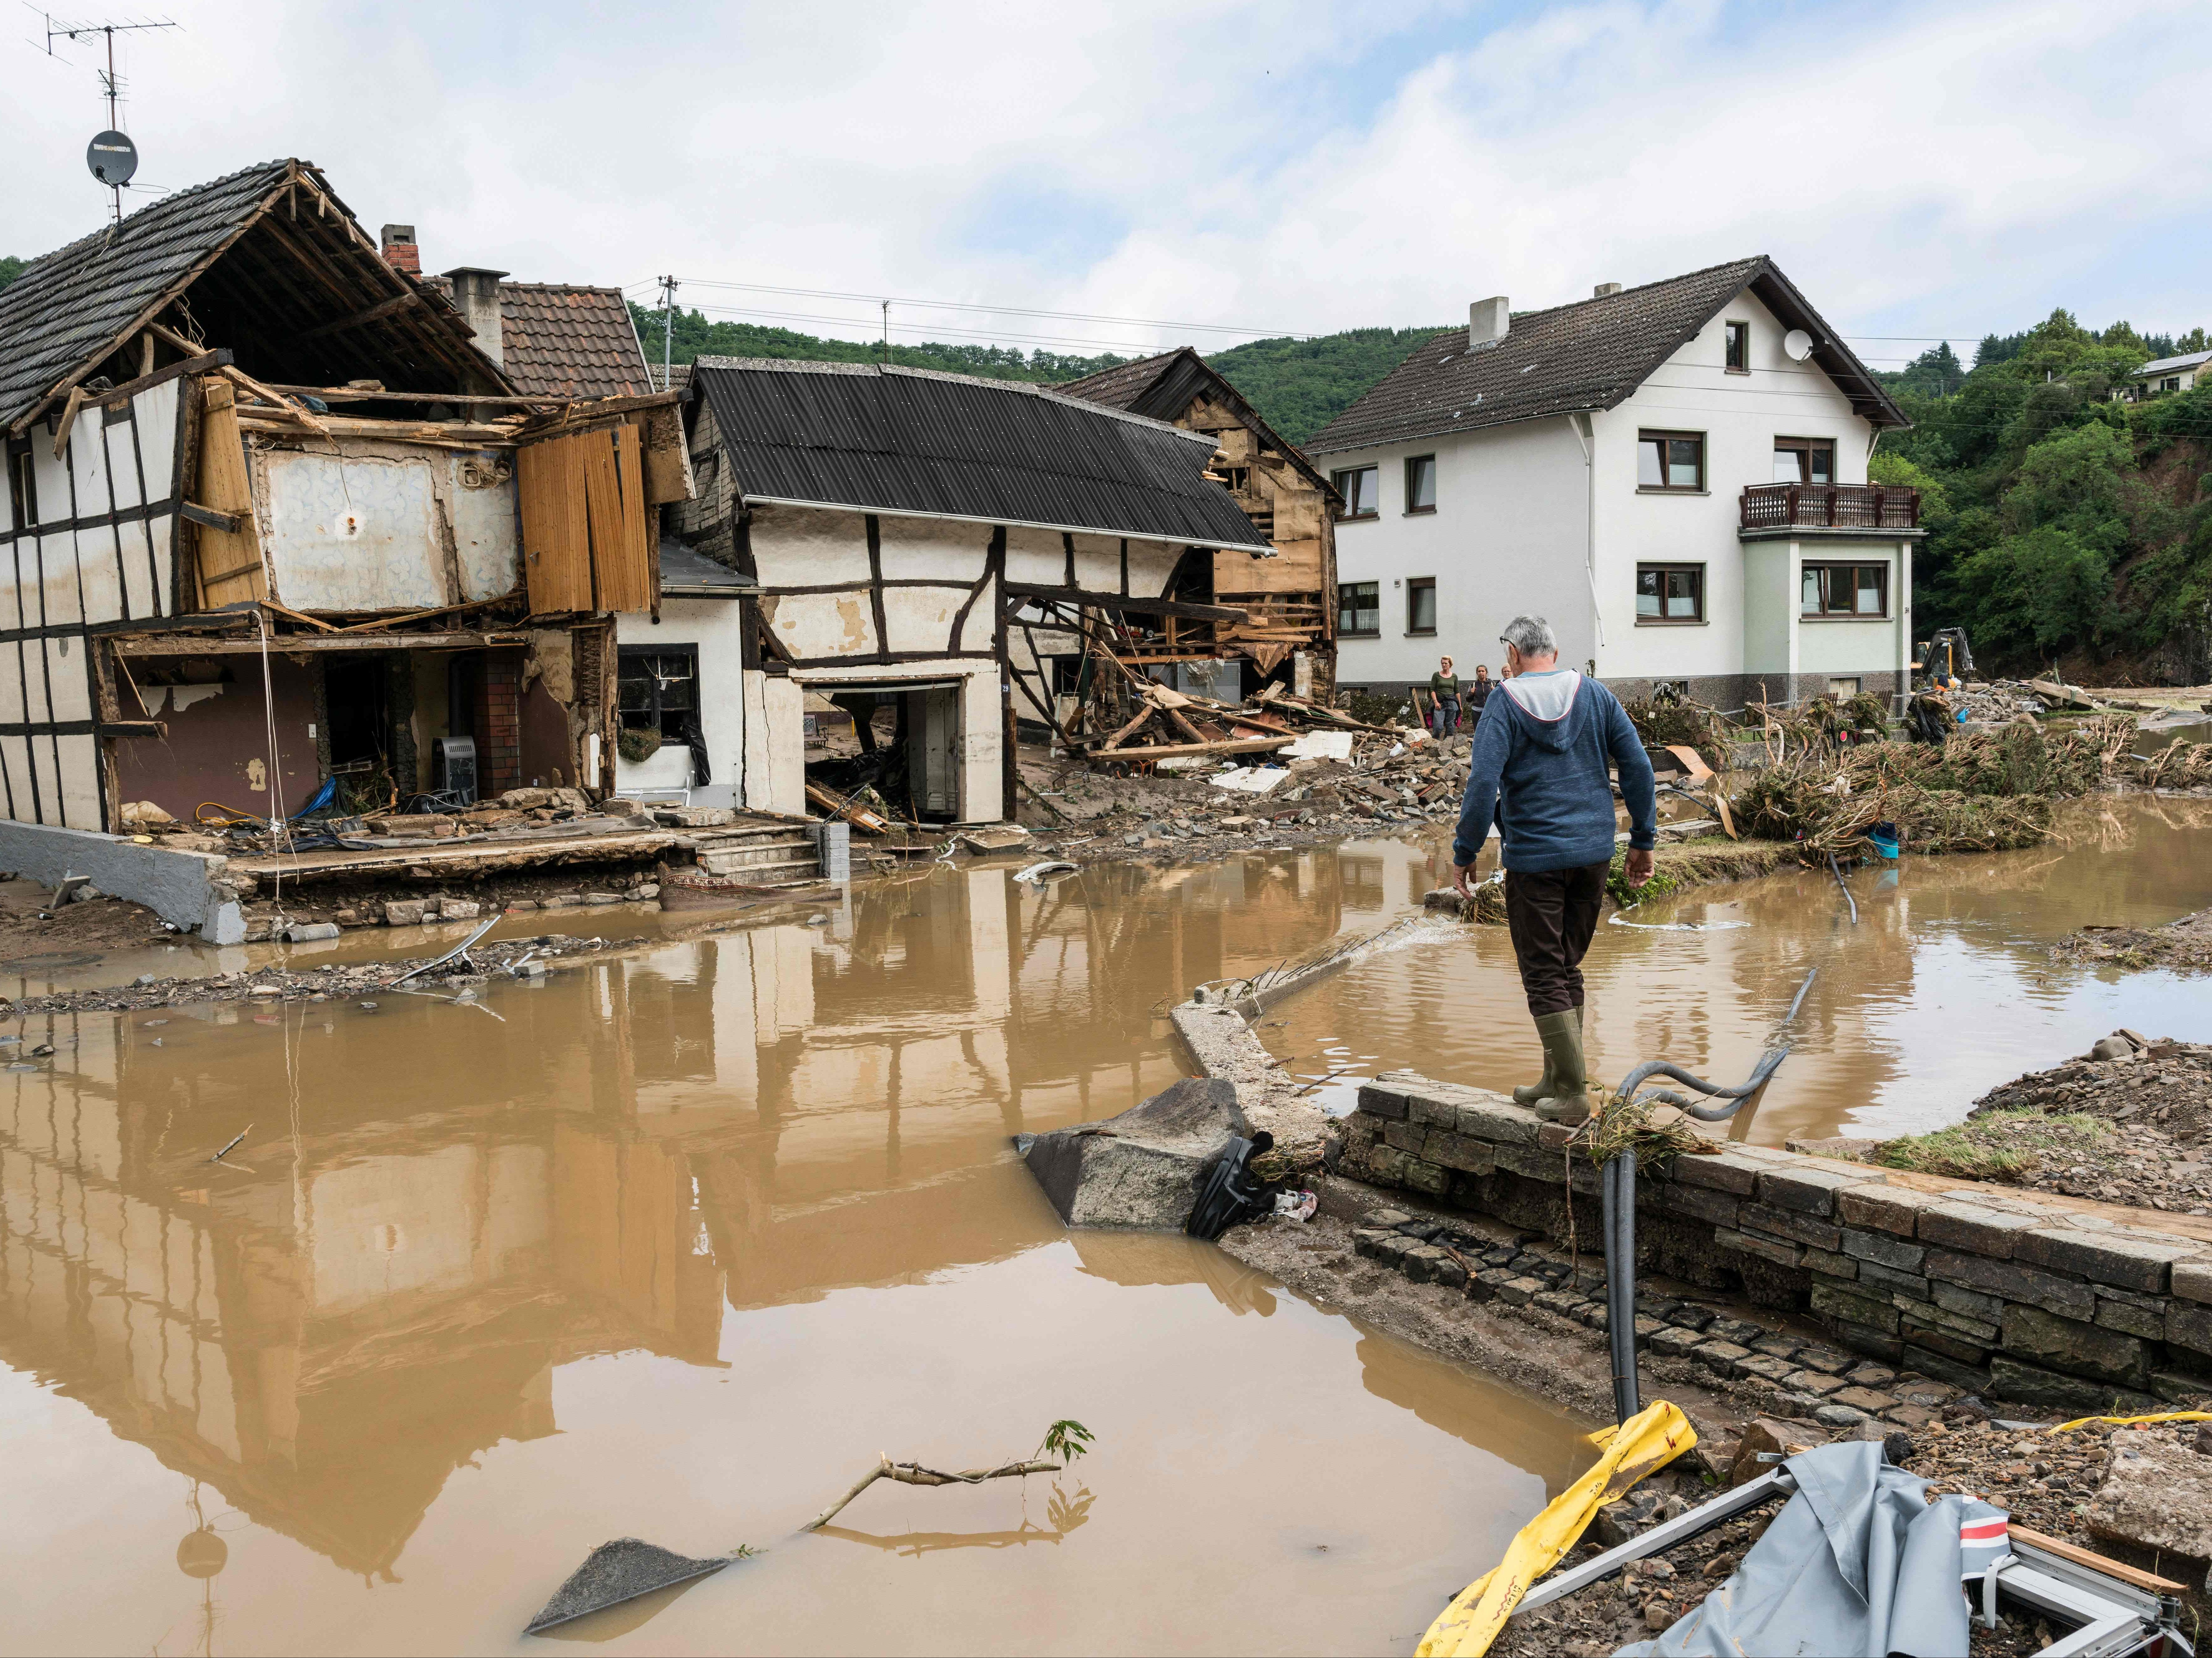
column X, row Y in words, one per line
column 1796, row 345
column 112, row 158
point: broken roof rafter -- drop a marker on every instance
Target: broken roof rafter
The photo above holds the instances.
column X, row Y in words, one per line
column 266, row 253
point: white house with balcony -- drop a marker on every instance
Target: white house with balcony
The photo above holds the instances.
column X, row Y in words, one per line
column 1674, row 475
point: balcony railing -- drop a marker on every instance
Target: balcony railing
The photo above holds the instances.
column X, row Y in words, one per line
column 1830, row 507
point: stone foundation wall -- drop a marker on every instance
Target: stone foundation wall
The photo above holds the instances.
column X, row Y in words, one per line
column 1990, row 1290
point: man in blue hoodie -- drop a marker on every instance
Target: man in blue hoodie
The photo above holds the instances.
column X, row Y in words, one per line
column 1539, row 766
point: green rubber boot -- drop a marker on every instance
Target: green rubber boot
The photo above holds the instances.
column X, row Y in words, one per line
column 1535, row 1092
column 1563, row 1045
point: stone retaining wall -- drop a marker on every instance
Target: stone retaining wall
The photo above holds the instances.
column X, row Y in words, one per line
column 1990, row 1290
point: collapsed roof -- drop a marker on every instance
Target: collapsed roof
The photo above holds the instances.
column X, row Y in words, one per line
column 908, row 441
column 1164, row 387
column 1592, row 354
column 267, row 261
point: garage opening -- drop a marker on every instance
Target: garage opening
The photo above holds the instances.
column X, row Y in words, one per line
column 892, row 746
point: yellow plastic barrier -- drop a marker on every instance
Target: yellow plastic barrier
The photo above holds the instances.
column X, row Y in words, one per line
column 1644, row 1444
column 2130, row 1421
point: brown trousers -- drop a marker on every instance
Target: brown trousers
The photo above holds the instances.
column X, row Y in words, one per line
column 1553, row 917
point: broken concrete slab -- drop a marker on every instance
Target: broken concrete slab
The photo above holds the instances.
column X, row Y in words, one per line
column 1143, row 1168
column 2157, row 1492
column 618, row 1571
column 191, row 890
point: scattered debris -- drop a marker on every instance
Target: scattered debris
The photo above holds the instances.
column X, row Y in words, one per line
column 618, row 1571
column 1066, row 1440
column 232, row 1144
column 2186, row 943
column 458, row 953
column 1144, row 1168
column 1038, row 872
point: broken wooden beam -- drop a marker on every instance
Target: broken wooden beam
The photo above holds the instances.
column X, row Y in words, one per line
column 1185, row 750
column 858, row 816
column 1129, row 602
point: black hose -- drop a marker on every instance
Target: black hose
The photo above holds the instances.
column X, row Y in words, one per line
column 1848, row 899
column 1768, row 1063
column 1618, row 1196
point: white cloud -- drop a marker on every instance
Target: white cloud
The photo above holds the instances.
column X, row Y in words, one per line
column 1962, row 167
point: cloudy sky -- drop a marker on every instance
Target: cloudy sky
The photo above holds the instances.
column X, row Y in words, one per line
column 1919, row 170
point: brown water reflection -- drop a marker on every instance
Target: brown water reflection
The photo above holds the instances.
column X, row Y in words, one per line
column 670, row 1245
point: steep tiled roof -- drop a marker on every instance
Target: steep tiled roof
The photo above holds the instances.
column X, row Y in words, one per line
column 570, row 342
column 1163, row 386
column 67, row 309
column 1591, row 355
column 892, row 439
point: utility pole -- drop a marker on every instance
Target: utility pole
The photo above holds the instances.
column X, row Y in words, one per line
column 667, row 331
column 110, row 87
column 887, row 333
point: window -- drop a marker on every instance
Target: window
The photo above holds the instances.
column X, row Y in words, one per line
column 1358, row 486
column 1804, row 460
column 1671, row 460
column 1421, row 605
column 1669, row 593
column 1421, row 484
column 657, row 690
column 1738, row 348
column 1844, row 688
column 1359, row 609
column 26, row 490
column 1846, row 590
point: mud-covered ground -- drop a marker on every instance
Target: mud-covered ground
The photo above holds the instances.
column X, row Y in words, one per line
column 2136, row 1128
column 2185, row 943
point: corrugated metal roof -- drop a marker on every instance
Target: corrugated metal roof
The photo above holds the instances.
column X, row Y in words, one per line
column 1591, row 355
column 913, row 441
column 685, row 573
column 68, row 307
column 2164, row 363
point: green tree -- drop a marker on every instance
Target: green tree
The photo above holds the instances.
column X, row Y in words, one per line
column 11, row 268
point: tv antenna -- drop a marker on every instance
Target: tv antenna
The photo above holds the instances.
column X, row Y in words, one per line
column 111, row 156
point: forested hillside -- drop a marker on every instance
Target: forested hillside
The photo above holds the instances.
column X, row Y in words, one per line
column 1297, row 386
column 2064, row 527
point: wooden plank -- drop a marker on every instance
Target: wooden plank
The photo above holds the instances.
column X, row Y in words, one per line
column 614, row 508
column 627, row 584
column 2147, row 1582
column 224, row 485
column 184, row 644
column 556, row 542
column 382, row 308
column 1024, row 590
column 859, row 817
column 667, row 458
column 1183, row 750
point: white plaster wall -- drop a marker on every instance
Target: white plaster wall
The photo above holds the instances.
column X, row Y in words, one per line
column 912, row 547
column 809, row 547
column 1741, row 415
column 351, row 532
column 1509, row 535
column 774, row 740
column 715, row 629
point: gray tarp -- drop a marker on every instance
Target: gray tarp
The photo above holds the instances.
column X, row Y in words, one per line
column 1858, row 1564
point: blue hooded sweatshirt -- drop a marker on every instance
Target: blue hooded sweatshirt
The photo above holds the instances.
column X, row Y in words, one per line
column 1539, row 767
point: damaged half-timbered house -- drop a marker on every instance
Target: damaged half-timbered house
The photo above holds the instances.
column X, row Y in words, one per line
column 1289, row 633
column 951, row 559
column 280, row 530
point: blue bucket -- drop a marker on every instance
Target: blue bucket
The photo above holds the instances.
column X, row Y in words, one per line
column 1883, row 838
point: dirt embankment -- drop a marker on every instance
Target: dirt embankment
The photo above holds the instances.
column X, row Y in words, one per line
column 2129, row 1122
column 2185, row 943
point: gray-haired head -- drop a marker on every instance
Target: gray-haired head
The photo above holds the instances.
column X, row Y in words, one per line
column 1531, row 635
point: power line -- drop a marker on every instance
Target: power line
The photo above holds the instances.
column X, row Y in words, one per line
column 1008, row 310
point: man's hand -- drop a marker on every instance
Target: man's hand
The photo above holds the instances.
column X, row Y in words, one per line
column 1463, row 880
column 1639, row 867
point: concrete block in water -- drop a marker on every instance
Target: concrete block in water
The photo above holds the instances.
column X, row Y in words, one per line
column 1142, row 1168
column 618, row 1571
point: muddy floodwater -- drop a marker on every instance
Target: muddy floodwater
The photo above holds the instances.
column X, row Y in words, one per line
column 672, row 1245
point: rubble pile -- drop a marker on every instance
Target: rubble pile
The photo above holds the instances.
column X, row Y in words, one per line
column 1172, row 724
column 512, row 957
column 517, row 814
column 2139, row 1117
column 2186, row 943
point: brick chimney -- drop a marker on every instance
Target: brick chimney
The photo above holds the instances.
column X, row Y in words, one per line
column 399, row 250
column 1488, row 320
column 476, row 291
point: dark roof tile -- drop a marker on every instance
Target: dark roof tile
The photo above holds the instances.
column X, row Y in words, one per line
column 1163, row 388
column 999, row 452
column 67, row 309
column 1588, row 355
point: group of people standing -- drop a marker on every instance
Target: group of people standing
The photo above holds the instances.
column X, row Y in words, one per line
column 1449, row 694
